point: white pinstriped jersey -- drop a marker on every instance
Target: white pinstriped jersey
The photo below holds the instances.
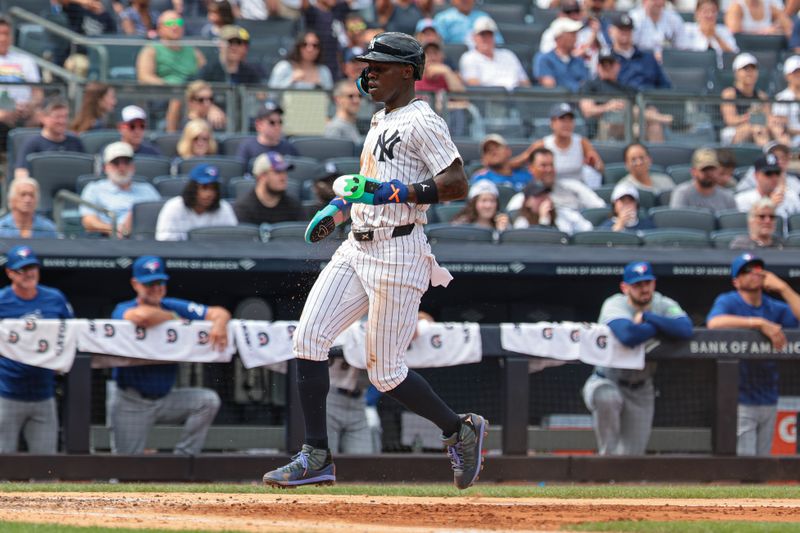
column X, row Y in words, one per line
column 410, row 144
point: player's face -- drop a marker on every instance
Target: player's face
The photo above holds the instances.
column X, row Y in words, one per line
column 25, row 278
column 387, row 80
column 150, row 293
column 750, row 279
column 640, row 294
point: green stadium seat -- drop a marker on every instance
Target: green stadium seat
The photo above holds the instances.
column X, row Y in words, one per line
column 609, row 238
column 596, row 215
column 614, row 172
column 722, row 238
column 534, row 235
column 446, row 212
column 321, row 148
column 686, row 217
column 229, row 167
column 152, row 166
column 144, row 216
column 678, row 238
column 242, row 232
column 449, row 233
column 732, row 219
column 283, row 231
column 57, row 170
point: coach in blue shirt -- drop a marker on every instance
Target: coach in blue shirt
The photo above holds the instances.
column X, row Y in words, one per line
column 748, row 307
column 27, row 402
column 144, row 394
column 638, row 69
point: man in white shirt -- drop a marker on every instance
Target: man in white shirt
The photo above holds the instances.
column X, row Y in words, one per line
column 770, row 183
column 489, row 66
column 791, row 71
column 656, row 27
column 17, row 102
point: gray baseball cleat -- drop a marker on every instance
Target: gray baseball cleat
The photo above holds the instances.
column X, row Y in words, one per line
column 465, row 449
column 311, row 466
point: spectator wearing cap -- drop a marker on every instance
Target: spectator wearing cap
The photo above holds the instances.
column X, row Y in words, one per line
column 199, row 205
column 302, row 68
column 770, row 183
column 656, row 26
column 559, row 67
column 761, row 226
column 638, row 69
column 622, row 401
column 425, row 32
column 748, row 307
column 139, row 19
column 197, row 140
column 565, row 192
column 638, row 162
column 343, row 123
column 131, row 127
column 625, row 210
column 496, row 160
column 22, row 221
column 199, row 99
column 570, row 10
column 456, row 24
column 575, row 157
column 705, row 34
column 117, row 193
column 397, row 15
column 27, row 393
column 53, row 136
column 146, row 395
column 483, row 208
column 488, row 66
column 269, row 135
column 783, row 153
column 538, row 209
column 740, row 17
column 703, row 190
column 791, row 111
column 230, row 66
column 268, row 201
column 744, row 122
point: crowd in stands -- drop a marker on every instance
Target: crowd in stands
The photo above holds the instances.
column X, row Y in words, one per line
column 602, row 51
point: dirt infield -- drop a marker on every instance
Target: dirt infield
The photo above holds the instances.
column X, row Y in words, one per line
column 287, row 511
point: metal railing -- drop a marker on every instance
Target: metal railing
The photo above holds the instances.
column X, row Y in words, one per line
column 63, row 197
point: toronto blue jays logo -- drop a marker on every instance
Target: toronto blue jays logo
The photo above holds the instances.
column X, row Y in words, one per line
column 152, row 266
column 24, row 252
column 602, row 342
column 43, row 345
column 640, row 268
column 263, row 338
column 386, row 145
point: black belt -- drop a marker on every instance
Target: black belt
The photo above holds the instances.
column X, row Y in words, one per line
column 633, row 385
column 398, row 231
column 349, row 393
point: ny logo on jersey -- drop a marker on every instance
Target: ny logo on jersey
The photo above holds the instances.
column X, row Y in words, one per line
column 386, row 145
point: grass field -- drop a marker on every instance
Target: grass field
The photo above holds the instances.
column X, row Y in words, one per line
column 207, row 508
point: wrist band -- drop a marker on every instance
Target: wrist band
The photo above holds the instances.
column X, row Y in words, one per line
column 426, row 191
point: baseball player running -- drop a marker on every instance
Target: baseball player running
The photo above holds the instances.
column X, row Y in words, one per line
column 408, row 162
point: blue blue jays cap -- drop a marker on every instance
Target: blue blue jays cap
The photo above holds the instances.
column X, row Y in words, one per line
column 742, row 261
column 149, row 268
column 204, row 174
column 638, row 271
column 21, row 256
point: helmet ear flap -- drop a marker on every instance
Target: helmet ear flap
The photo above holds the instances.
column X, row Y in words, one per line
column 361, row 82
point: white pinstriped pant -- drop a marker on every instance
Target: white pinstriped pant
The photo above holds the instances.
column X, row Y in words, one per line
column 383, row 278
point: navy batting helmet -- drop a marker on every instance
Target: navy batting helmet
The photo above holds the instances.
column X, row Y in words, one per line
column 396, row 47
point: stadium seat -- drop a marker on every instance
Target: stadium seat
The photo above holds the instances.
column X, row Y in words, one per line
column 169, row 186
column 229, row 167
column 745, row 154
column 604, row 192
column 450, row 233
column 596, row 215
column 469, row 149
column 321, row 148
column 610, row 152
column 534, row 235
column 663, row 198
column 543, row 17
column 690, row 80
column 343, row 165
column 506, row 193
column 684, row 217
column 794, row 222
column 143, row 219
column 679, row 238
column 32, row 37
column 283, row 231
column 601, row 237
column 242, row 232
column 754, row 42
column 667, row 155
column 680, row 173
column 453, row 52
column 152, row 166
column 446, row 212
column 238, row 187
column 95, row 140
column 229, row 144
column 675, row 58
column 167, row 143
column 792, row 240
column 722, row 238
column 271, row 26
column 647, row 199
column 503, row 14
column 614, row 172
column 732, row 219
column 305, row 168
column 17, row 138
column 57, row 170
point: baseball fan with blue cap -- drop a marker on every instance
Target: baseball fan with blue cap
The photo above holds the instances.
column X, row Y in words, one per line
column 204, row 174
column 149, row 268
column 638, row 271
column 744, row 260
column 20, row 257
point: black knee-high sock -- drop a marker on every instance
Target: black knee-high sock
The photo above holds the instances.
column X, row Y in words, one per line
column 417, row 395
column 313, row 383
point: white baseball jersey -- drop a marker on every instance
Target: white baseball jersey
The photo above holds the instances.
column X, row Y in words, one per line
column 411, row 144
column 385, row 277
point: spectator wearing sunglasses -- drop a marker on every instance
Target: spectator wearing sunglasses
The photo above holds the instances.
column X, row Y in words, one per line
column 197, row 140
column 168, row 62
column 230, row 66
column 302, row 69
column 200, row 105
column 269, row 135
column 770, row 183
column 132, row 127
column 117, row 193
column 761, row 222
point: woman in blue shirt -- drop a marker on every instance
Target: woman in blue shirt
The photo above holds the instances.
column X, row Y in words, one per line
column 22, row 221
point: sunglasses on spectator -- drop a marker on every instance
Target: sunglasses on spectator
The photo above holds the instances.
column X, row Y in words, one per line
column 237, row 42
column 202, row 99
column 173, row 23
column 137, row 125
column 121, row 161
column 752, row 268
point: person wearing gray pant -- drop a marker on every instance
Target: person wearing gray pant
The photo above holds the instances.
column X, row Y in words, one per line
column 622, row 401
column 145, row 395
